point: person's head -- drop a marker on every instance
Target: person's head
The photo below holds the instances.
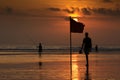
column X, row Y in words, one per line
column 86, row 34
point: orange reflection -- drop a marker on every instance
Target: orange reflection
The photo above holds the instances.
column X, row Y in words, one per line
column 75, row 69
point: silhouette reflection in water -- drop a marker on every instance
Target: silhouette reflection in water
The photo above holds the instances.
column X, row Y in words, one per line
column 40, row 64
column 87, row 75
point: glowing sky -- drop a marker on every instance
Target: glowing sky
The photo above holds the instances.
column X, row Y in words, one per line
column 46, row 21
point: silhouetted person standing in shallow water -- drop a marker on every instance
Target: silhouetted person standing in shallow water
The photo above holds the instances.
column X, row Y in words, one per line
column 40, row 49
column 96, row 48
column 86, row 46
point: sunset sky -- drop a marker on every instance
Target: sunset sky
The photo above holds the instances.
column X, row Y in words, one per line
column 28, row 22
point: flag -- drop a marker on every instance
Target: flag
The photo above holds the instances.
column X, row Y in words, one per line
column 76, row 27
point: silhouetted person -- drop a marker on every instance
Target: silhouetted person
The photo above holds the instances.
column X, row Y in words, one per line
column 40, row 49
column 96, row 48
column 86, row 46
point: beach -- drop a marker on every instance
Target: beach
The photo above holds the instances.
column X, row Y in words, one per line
column 56, row 66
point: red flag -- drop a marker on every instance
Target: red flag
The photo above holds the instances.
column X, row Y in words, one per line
column 76, row 27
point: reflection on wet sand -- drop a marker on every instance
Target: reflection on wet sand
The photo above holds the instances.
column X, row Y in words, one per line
column 40, row 61
column 76, row 70
column 87, row 74
column 40, row 64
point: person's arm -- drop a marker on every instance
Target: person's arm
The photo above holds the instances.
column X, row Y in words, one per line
column 82, row 44
column 90, row 45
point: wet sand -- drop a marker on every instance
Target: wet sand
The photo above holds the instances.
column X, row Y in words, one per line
column 102, row 66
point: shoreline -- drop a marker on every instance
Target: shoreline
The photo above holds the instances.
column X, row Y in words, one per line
column 54, row 50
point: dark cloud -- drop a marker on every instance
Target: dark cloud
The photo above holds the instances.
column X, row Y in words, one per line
column 70, row 10
column 107, row 1
column 90, row 11
column 54, row 9
column 104, row 11
column 99, row 10
column 11, row 11
column 86, row 11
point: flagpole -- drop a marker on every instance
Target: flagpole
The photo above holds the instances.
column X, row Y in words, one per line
column 70, row 51
column 75, row 27
column 70, row 56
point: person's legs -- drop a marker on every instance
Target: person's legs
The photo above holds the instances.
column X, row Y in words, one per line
column 87, row 64
column 87, row 67
column 86, row 59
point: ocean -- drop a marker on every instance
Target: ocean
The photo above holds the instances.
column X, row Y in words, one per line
column 56, row 66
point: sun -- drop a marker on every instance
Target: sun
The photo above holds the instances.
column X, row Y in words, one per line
column 76, row 19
